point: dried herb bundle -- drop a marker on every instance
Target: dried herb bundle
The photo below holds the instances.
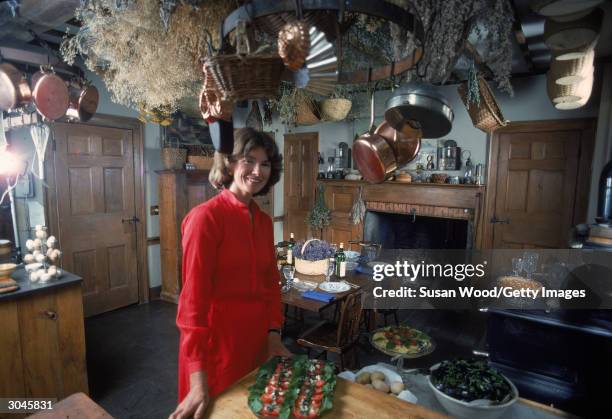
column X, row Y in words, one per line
column 141, row 62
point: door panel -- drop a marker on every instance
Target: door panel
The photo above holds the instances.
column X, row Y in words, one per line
column 536, row 183
column 96, row 205
column 300, row 173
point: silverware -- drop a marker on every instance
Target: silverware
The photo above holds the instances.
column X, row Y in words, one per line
column 352, row 285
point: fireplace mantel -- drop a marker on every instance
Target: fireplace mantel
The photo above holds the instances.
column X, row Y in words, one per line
column 419, row 199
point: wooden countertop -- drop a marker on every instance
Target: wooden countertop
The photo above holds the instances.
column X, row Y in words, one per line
column 27, row 288
column 350, row 401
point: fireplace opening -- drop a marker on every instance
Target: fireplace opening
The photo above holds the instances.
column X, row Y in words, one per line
column 405, row 231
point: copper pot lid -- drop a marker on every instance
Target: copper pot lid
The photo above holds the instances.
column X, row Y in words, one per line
column 374, row 157
column 51, row 96
column 405, row 143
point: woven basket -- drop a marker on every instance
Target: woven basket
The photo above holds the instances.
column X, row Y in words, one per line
column 241, row 77
column 487, row 116
column 335, row 109
column 572, row 71
column 558, row 93
column 311, row 267
column 438, row 177
column 173, row 157
column 306, row 111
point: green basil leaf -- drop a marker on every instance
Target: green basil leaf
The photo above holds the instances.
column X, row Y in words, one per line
column 255, row 404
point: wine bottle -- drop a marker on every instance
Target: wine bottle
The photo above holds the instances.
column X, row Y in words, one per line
column 290, row 246
column 340, row 262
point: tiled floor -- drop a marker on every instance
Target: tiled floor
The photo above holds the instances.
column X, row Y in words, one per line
column 132, row 353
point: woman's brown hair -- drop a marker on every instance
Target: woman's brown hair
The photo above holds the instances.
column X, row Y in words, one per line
column 245, row 140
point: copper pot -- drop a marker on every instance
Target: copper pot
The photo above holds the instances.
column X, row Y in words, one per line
column 14, row 88
column 50, row 95
column 405, row 143
column 83, row 102
column 373, row 154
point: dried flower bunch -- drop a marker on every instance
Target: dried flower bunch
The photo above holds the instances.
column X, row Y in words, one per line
column 447, row 24
column 320, row 216
column 140, row 61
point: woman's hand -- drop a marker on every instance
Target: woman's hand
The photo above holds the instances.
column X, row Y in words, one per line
column 195, row 403
column 276, row 347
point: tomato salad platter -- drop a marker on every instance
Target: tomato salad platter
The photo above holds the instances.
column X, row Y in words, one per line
column 402, row 341
column 295, row 387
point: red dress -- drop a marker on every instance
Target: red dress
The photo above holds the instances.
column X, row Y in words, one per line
column 231, row 294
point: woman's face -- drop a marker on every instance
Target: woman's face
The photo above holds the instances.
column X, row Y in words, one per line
column 251, row 172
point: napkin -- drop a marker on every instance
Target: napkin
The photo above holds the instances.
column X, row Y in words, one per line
column 319, row 296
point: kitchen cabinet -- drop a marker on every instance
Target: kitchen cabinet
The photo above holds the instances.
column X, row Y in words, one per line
column 42, row 344
column 339, row 198
column 179, row 192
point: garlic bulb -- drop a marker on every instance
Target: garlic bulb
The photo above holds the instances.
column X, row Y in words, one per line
column 51, row 241
column 37, row 243
column 40, row 258
column 41, row 234
column 45, row 277
column 30, row 244
column 28, row 258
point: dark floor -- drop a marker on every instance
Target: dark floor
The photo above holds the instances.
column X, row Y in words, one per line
column 132, row 353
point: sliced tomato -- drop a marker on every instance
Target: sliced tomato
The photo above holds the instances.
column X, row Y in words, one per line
column 319, row 383
column 267, row 398
column 317, row 397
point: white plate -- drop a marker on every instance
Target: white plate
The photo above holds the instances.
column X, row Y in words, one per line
column 334, row 287
column 390, row 376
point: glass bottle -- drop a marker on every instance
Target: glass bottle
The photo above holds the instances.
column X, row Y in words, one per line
column 290, row 246
column 340, row 262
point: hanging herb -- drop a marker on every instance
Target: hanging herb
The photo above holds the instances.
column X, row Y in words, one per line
column 473, row 89
column 359, row 209
column 320, row 216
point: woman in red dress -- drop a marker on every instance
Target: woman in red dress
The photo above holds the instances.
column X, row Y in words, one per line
column 229, row 311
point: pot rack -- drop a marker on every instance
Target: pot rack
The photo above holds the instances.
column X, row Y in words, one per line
column 377, row 8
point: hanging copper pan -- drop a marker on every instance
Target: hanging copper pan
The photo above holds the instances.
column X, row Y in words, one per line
column 373, row 154
column 405, row 143
column 51, row 96
column 14, row 88
column 83, row 102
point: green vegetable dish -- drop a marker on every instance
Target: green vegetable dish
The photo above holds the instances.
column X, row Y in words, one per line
column 293, row 388
column 470, row 380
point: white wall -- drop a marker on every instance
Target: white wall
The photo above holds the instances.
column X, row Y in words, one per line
column 530, row 102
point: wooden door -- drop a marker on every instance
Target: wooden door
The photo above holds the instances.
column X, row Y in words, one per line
column 300, row 174
column 539, row 172
column 340, row 199
column 95, row 194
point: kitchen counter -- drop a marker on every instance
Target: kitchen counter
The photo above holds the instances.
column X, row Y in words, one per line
column 28, row 288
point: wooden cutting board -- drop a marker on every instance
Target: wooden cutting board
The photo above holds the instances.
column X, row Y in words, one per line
column 350, row 401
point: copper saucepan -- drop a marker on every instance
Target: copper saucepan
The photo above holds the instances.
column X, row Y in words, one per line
column 83, row 102
column 50, row 95
column 373, row 154
column 405, row 142
column 14, row 88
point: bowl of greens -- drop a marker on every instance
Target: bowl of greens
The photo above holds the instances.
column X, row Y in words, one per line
column 471, row 389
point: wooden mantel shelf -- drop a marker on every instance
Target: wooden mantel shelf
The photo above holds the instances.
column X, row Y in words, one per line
column 345, row 182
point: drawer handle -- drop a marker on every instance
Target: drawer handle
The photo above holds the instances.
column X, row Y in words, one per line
column 51, row 315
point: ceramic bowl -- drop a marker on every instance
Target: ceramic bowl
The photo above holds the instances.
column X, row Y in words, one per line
column 460, row 409
column 6, row 269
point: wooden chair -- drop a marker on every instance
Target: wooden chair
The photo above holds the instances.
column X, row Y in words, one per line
column 341, row 338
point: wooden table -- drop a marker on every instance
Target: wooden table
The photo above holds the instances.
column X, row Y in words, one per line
column 76, row 406
column 350, row 401
column 294, row 297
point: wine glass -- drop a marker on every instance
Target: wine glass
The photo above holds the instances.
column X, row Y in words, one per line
column 530, row 263
column 331, row 266
column 517, row 266
column 288, row 272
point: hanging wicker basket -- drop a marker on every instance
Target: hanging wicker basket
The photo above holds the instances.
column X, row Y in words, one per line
column 306, row 111
column 487, row 115
column 335, row 109
column 574, row 33
column 558, row 93
column 572, row 71
column 311, row 267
